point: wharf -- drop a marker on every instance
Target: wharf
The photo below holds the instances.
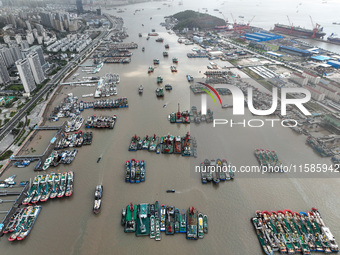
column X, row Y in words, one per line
column 14, row 208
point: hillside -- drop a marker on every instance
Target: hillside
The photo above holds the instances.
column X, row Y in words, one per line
column 191, row 19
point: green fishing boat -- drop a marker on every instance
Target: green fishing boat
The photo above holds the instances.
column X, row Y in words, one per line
column 152, row 227
column 131, row 217
column 177, row 220
column 158, row 231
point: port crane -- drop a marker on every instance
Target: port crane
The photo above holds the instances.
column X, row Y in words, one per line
column 315, row 28
column 291, row 25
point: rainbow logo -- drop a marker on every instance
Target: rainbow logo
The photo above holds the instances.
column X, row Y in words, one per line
column 208, row 92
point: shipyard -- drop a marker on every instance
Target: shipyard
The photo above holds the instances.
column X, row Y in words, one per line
column 118, row 133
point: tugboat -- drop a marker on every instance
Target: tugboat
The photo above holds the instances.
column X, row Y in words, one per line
column 98, row 199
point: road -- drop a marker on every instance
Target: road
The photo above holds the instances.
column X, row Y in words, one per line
column 21, row 113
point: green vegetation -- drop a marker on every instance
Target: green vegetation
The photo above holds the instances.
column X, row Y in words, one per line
column 24, row 138
column 17, row 139
column 6, row 155
column 16, row 87
column 6, row 120
column 28, row 122
column 20, row 124
column 12, row 114
column 191, row 19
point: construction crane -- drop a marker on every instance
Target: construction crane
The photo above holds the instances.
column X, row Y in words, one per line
column 250, row 21
column 235, row 24
column 291, row 25
column 315, row 28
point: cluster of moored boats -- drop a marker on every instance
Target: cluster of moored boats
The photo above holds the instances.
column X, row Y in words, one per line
column 167, row 144
column 292, row 232
column 77, row 139
column 59, row 157
column 268, row 160
column 101, row 121
column 216, row 171
column 152, row 219
column 50, row 186
column 186, row 117
column 22, row 222
column 74, row 124
column 111, row 103
column 134, row 171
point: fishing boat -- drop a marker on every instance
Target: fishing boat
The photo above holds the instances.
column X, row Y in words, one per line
column 190, row 78
column 191, row 224
column 163, row 217
column 99, row 159
column 40, row 189
column 257, row 222
column 139, row 143
column 143, row 49
column 146, row 143
column 143, row 221
column 142, row 171
column 140, row 89
column 183, row 222
column 200, row 225
column 206, row 166
column 48, row 188
column 152, row 227
column 137, row 171
column 159, row 79
column 133, row 144
column 69, row 187
column 158, row 231
column 186, row 145
column 127, row 171
column 122, row 221
column 62, row 186
column 177, row 220
column 158, row 148
column 215, row 174
column 156, row 209
column 159, row 39
column 13, row 221
column 131, row 217
column 205, row 224
column 221, row 169
column 203, row 173
column 168, row 144
column 30, row 222
column 159, row 92
column 166, row 46
column 98, row 194
column 32, row 191
column 170, row 221
column 170, row 191
column 151, row 69
column 156, row 61
column 225, row 167
column 132, row 171
column 153, row 143
column 165, row 54
column 173, row 69
column 20, row 226
column 168, row 87
column 175, row 60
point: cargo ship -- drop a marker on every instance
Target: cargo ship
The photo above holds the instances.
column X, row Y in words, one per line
column 299, row 31
column 333, row 39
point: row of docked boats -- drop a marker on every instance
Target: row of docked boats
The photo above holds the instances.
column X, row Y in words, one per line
column 216, row 171
column 77, row 139
column 101, row 121
column 21, row 223
column 167, row 144
column 292, row 232
column 111, row 103
column 269, row 161
column 74, row 124
column 152, row 219
column 49, row 186
column 59, row 157
column 134, row 171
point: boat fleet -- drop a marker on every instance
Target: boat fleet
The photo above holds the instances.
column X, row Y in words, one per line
column 57, row 157
column 77, row 139
column 193, row 116
column 134, row 171
column 22, row 222
column 268, row 160
column 50, row 186
column 216, row 171
column 74, row 124
column 152, row 219
column 293, row 232
column 101, row 121
column 168, row 144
